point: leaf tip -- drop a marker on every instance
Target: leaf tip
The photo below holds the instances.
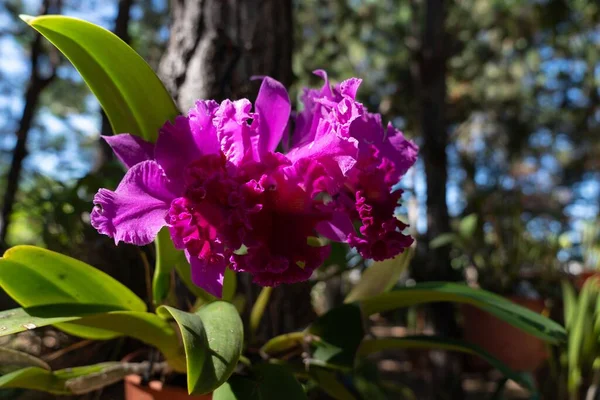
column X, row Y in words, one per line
column 26, row 18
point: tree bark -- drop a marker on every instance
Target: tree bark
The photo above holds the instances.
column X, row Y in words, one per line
column 37, row 83
column 215, row 47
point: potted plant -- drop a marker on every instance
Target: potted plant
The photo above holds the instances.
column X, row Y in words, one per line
column 208, row 344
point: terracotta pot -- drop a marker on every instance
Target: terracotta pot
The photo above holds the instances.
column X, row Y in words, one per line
column 155, row 390
column 517, row 349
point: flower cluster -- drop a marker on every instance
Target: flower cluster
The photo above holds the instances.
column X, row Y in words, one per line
column 215, row 179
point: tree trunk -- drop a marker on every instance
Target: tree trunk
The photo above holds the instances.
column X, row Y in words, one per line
column 430, row 74
column 37, row 83
column 215, row 47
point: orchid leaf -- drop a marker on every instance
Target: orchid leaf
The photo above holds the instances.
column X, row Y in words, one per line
column 61, row 382
column 15, row 358
column 338, row 333
column 34, row 277
column 166, row 259
column 19, row 319
column 213, row 338
column 380, row 277
column 432, row 342
column 133, row 97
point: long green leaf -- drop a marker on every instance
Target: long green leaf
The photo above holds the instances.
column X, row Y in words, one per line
column 130, row 93
column 146, row 327
column 166, row 258
column 432, row 342
column 520, row 317
column 33, row 276
column 258, row 309
column 213, row 338
column 15, row 358
column 19, row 320
column 380, row 277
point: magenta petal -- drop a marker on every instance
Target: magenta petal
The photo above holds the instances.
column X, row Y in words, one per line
column 136, row 211
column 273, row 108
column 401, row 151
column 130, row 149
column 235, row 135
column 338, row 228
column 209, row 277
column 190, row 137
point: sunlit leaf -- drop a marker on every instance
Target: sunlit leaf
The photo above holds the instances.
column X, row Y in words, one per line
column 380, row 277
column 130, row 93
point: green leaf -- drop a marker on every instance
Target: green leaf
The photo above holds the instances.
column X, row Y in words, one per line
column 146, row 327
column 130, row 93
column 283, row 343
column 166, row 258
column 19, row 320
column 258, row 310
column 338, row 333
column 213, row 338
column 14, row 358
column 520, row 317
column 33, row 276
column 57, row 382
column 433, row 342
column 266, row 382
column 380, row 277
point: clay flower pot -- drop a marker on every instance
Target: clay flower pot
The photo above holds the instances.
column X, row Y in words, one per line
column 584, row 276
column 517, row 349
column 155, row 390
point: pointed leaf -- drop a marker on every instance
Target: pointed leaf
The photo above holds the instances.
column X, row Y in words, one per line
column 15, row 358
column 433, row 342
column 213, row 338
column 166, row 258
column 130, row 93
column 380, row 277
column 33, row 276
column 19, row 320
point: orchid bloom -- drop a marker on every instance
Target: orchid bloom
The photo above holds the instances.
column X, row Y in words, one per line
column 229, row 199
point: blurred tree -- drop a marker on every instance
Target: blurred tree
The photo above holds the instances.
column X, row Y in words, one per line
column 43, row 65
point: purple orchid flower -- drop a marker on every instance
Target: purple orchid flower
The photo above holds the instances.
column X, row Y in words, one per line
column 213, row 177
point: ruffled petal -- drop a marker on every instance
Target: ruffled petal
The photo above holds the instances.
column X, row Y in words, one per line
column 273, row 112
column 208, row 276
column 401, row 151
column 130, row 149
column 136, row 211
column 184, row 141
column 235, row 135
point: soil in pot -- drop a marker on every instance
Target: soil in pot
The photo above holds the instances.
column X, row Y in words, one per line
column 156, row 390
column 517, row 349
